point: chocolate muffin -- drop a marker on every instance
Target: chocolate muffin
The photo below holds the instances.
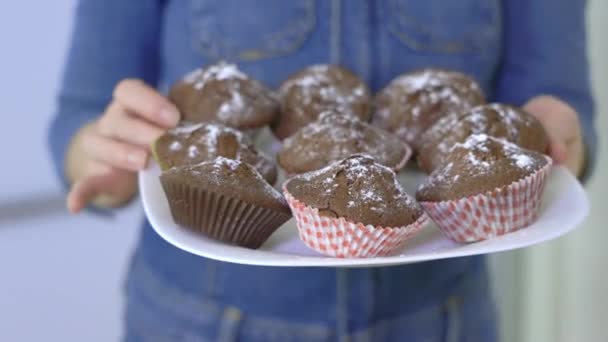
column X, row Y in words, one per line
column 478, row 165
column 226, row 199
column 317, row 89
column 221, row 93
column 497, row 120
column 190, row 144
column 357, row 189
column 413, row 102
column 334, row 137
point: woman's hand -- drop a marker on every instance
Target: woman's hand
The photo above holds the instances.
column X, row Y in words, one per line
column 105, row 155
column 563, row 127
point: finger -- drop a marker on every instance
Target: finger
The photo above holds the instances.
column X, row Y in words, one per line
column 558, row 141
column 562, row 131
column 117, row 123
column 559, row 152
column 141, row 99
column 115, row 153
column 559, row 129
column 559, row 120
column 84, row 191
column 576, row 157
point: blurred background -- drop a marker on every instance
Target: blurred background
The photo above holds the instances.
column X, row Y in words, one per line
column 61, row 276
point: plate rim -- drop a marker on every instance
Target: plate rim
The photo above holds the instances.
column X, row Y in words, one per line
column 292, row 260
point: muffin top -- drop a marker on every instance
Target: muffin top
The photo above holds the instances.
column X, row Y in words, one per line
column 358, row 189
column 221, row 93
column 497, row 120
column 478, row 165
column 334, row 137
column 413, row 102
column 229, row 177
column 190, row 144
column 317, row 89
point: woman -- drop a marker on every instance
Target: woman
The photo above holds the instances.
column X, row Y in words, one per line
column 522, row 52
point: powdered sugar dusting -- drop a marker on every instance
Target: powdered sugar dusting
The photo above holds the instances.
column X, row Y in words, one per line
column 430, row 79
column 228, row 108
column 201, row 142
column 185, row 128
column 478, row 155
column 226, row 163
column 363, row 171
column 336, row 127
column 193, row 152
column 523, row 161
column 358, row 189
column 480, row 119
column 323, row 87
column 220, row 71
column 319, row 68
column 479, row 144
column 418, row 81
column 205, row 141
column 193, row 77
column 175, row 146
column 224, row 71
column 211, row 135
column 219, row 175
column 359, row 91
column 341, row 136
column 510, row 116
column 218, row 164
column 239, row 99
column 438, row 176
column 476, row 141
column 412, row 102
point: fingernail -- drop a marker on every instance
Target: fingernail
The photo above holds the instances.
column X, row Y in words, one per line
column 170, row 116
column 72, row 203
column 136, row 158
column 71, row 207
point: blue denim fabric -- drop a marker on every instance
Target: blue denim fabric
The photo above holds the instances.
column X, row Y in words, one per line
column 176, row 296
column 516, row 50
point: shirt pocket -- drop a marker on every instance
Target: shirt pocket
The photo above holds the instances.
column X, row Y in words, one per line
column 440, row 26
column 249, row 30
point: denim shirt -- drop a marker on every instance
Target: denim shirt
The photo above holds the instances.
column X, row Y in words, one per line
column 515, row 49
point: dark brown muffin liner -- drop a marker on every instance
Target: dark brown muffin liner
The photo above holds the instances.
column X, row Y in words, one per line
column 221, row 217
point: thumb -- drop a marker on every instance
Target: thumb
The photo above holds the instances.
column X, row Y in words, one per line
column 108, row 189
column 558, row 123
column 558, row 151
column 87, row 189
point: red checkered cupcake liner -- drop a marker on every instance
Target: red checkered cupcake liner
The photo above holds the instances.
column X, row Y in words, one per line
column 341, row 238
column 492, row 214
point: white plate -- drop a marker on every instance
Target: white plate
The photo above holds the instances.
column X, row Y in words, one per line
column 565, row 205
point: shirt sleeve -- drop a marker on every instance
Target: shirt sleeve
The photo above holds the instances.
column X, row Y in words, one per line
column 111, row 40
column 545, row 52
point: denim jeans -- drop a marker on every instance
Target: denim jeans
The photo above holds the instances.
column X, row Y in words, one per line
column 226, row 302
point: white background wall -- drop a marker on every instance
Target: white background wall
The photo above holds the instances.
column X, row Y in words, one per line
column 567, row 280
column 60, row 276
